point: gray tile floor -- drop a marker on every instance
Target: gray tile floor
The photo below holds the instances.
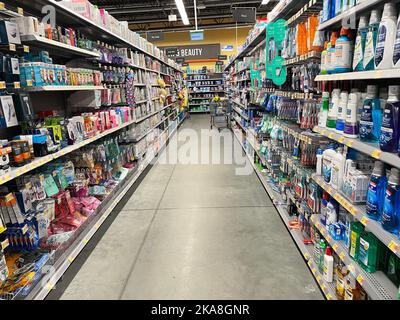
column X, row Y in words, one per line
column 193, row 231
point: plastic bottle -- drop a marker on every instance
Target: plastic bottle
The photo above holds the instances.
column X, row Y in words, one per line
column 333, row 109
column 338, row 7
column 319, row 162
column 328, row 265
column 324, row 204
column 326, row 10
column 341, row 114
column 356, row 229
column 391, row 206
column 332, row 210
column 396, row 51
column 371, row 116
column 386, row 37
column 368, row 256
column 359, row 47
column 351, row 290
column 389, row 137
column 322, row 245
column 331, row 61
column 371, row 39
column 323, row 114
column 343, row 52
column 376, row 191
column 338, row 163
column 351, row 125
column 327, row 157
column 324, row 59
column 341, row 273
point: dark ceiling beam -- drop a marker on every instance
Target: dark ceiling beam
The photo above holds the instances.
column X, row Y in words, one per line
column 203, row 27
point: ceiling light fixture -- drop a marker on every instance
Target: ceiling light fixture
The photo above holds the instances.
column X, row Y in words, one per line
column 182, row 12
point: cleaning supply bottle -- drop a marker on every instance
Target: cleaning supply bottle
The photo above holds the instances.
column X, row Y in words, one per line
column 341, row 114
column 328, row 265
column 368, row 255
column 350, row 124
column 389, row 138
column 396, row 51
column 371, row 116
column 323, row 114
column 371, row 39
column 376, row 191
column 391, row 205
column 324, row 59
column 358, row 58
column 356, row 229
column 331, row 60
column 341, row 274
column 386, row 37
column 333, row 109
column 343, row 52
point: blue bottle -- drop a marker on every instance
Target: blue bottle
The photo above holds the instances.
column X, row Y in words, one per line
column 359, row 47
column 391, row 206
column 371, row 116
column 389, row 137
column 376, row 191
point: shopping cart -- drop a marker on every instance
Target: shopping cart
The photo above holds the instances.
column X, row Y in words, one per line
column 220, row 114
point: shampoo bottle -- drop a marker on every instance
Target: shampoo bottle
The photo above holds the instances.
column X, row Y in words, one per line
column 389, row 137
column 333, row 109
column 371, row 116
column 344, row 99
column 351, row 125
column 376, row 191
column 343, row 52
column 391, row 205
column 328, row 265
column 371, row 39
column 358, row 59
column 386, row 37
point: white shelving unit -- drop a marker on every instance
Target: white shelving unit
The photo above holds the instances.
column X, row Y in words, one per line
column 361, row 75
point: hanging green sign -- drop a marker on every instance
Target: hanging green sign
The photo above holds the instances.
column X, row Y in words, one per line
column 273, row 45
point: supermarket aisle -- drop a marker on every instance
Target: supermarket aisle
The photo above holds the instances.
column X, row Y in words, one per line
column 195, row 232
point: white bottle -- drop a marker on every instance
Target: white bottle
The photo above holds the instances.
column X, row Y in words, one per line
column 333, row 109
column 327, row 157
column 338, row 163
column 344, row 98
column 396, row 51
column 319, row 162
column 351, row 124
column 386, row 37
column 328, row 265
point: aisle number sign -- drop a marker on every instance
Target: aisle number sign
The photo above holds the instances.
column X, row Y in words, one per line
column 273, row 45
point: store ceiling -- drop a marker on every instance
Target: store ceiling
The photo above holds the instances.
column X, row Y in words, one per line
column 148, row 15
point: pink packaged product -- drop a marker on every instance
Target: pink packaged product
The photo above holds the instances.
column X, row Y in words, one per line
column 82, row 7
column 113, row 119
column 103, row 16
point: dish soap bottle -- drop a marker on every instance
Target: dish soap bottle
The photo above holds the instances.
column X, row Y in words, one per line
column 389, row 137
column 376, row 191
column 371, row 116
column 343, row 52
column 358, row 59
column 386, row 37
column 328, row 265
column 370, row 40
column 391, row 205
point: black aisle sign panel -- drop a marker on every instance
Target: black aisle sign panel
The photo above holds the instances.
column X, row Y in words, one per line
column 219, row 63
column 194, row 52
column 222, row 57
column 155, row 36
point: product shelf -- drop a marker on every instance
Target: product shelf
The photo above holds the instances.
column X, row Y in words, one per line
column 38, row 162
column 239, row 104
column 358, row 212
column 376, row 284
column 62, row 88
column 45, row 285
column 354, row 12
column 312, row 55
column 240, row 124
column 58, row 47
column 310, row 8
column 361, row 75
column 148, row 131
column 364, row 147
column 199, row 111
column 239, row 111
column 66, row 16
column 306, row 250
column 152, row 113
column 254, row 43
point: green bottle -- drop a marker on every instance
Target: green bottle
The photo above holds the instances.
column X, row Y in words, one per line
column 368, row 252
column 322, row 246
column 356, row 229
column 393, row 268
